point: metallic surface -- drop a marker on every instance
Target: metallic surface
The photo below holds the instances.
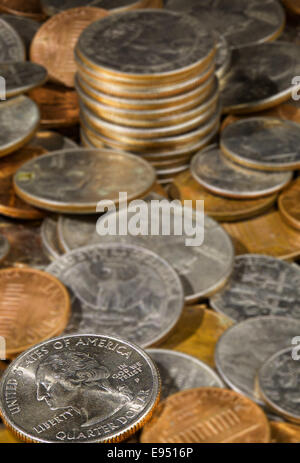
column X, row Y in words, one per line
column 25, row 27
column 52, row 141
column 29, row 9
column 4, row 247
column 50, row 239
column 288, row 204
column 11, row 45
column 285, row 433
column 52, row 7
column 22, row 77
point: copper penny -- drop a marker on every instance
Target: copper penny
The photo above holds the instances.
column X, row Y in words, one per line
column 7, row 437
column 207, row 415
column 58, row 105
column 285, row 433
column 289, row 204
column 27, row 8
column 53, row 45
column 34, row 306
column 267, row 234
column 10, row 204
column 185, row 187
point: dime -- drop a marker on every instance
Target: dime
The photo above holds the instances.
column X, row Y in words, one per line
column 278, row 381
column 25, row 27
column 288, row 204
column 121, row 290
column 53, row 7
column 69, row 379
column 19, row 119
column 11, row 45
column 53, row 45
column 285, row 433
column 180, row 371
column 185, row 188
column 22, row 77
column 207, row 415
column 260, row 77
column 34, row 306
column 267, row 234
column 244, row 348
column 219, row 175
column 50, row 239
column 260, row 286
column 138, row 45
column 52, row 141
column 242, row 22
column 74, row 181
column 29, row 9
column 4, row 247
column 263, row 143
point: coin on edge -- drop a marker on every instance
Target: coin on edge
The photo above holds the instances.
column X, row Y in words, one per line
column 50, row 239
column 22, row 77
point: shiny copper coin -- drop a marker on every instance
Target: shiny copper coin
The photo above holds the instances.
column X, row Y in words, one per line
column 58, row 106
column 207, row 415
column 53, row 45
column 10, row 204
column 267, row 234
column 34, row 307
column 285, row 433
column 289, row 204
column 6, row 437
column 30, row 8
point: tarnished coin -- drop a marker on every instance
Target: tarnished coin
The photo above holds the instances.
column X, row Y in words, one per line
column 259, row 286
column 22, row 77
column 53, row 7
column 121, row 290
column 25, row 27
column 4, row 247
column 180, row 371
column 29, row 8
column 145, row 44
column 242, row 22
column 245, row 347
column 263, row 143
column 34, row 306
column 267, row 234
column 207, row 415
column 19, row 119
column 278, row 381
column 50, row 238
column 74, row 181
column 223, row 55
column 52, row 141
column 260, row 77
column 203, row 269
column 53, row 45
column 288, row 204
column 82, row 389
column 11, row 46
column 219, row 208
column 285, row 433
column 211, row 169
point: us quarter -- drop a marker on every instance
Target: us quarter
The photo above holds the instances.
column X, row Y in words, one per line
column 22, row 77
column 4, row 247
column 244, row 348
column 80, row 389
column 11, row 46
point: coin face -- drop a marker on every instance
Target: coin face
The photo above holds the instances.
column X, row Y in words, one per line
column 121, row 290
column 211, row 169
column 4, row 247
column 19, row 119
column 35, row 306
column 22, row 77
column 207, row 415
column 241, row 22
column 244, row 348
column 260, row 77
column 74, row 181
column 260, row 286
column 180, row 371
column 285, row 433
column 11, row 46
column 263, row 143
column 52, row 7
column 83, row 389
column 52, row 141
column 25, row 27
column 288, row 204
column 278, row 383
column 50, row 239
column 139, row 44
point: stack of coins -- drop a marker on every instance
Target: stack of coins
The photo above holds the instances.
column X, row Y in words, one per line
column 150, row 88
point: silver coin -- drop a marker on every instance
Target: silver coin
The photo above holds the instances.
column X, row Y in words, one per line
column 19, row 119
column 52, row 7
column 141, row 43
column 263, row 143
column 74, row 181
column 22, row 77
column 25, row 27
column 260, row 286
column 180, row 371
column 242, row 22
column 11, row 45
column 50, row 239
column 120, row 290
column 260, row 77
column 279, row 380
column 203, row 269
column 244, row 348
column 4, row 247
column 223, row 55
column 211, row 169
column 52, row 141
column 79, row 389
